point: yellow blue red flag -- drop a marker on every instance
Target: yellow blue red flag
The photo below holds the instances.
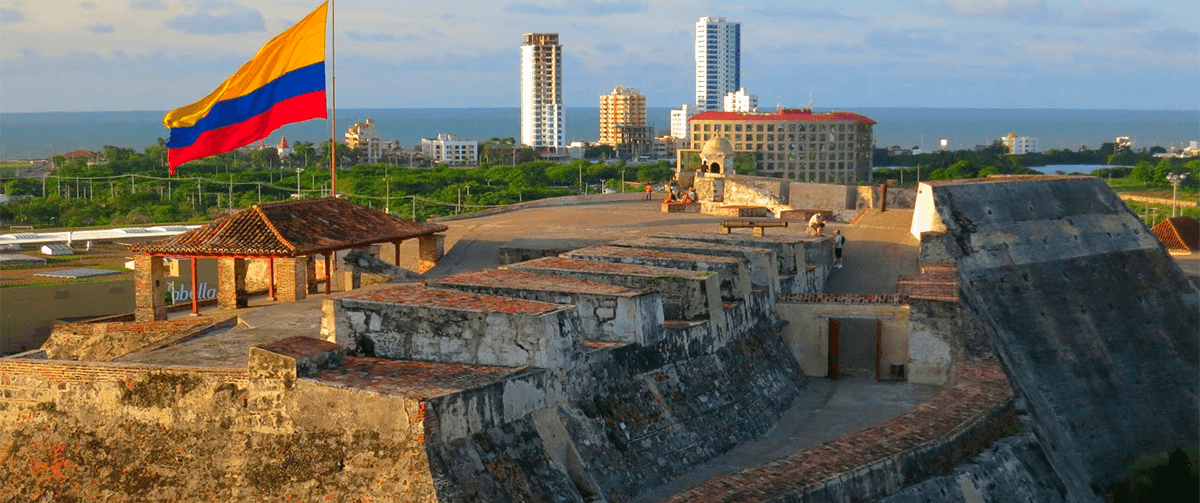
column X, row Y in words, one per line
column 284, row 83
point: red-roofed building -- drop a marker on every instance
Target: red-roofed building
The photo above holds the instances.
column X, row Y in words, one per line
column 794, row 144
column 1181, row 235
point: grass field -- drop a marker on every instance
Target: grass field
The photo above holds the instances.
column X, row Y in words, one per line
column 9, row 169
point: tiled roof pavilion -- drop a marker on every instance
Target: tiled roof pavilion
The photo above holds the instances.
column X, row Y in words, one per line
column 287, row 234
column 1179, row 234
column 290, row 229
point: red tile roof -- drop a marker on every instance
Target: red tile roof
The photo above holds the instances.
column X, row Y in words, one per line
column 1179, row 234
column 784, row 114
column 291, row 229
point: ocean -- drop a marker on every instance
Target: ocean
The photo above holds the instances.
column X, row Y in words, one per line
column 39, row 135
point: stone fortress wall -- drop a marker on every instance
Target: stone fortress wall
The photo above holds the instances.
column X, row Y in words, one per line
column 604, row 409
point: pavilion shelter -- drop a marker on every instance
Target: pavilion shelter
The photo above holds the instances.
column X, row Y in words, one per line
column 288, row 235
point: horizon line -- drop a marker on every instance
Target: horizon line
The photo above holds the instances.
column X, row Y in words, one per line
column 662, row 108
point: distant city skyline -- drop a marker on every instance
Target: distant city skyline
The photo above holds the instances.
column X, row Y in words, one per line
column 1033, row 54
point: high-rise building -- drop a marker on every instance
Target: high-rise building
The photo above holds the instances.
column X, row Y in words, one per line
column 541, row 92
column 795, row 144
column 741, row 101
column 679, row 120
column 623, row 122
column 718, row 61
column 366, row 136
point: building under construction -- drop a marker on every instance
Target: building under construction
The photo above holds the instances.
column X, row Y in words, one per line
column 623, row 122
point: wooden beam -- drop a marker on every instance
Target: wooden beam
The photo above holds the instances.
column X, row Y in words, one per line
column 195, row 290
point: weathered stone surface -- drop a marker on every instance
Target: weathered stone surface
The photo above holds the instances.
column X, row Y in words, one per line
column 1094, row 321
column 762, row 263
column 102, row 342
column 732, row 273
column 96, row 431
column 687, row 295
column 606, row 312
column 430, row 324
column 1014, row 469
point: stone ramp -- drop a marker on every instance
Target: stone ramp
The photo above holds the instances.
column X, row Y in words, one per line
column 1095, row 323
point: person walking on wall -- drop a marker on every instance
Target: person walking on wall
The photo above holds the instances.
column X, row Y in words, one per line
column 838, row 241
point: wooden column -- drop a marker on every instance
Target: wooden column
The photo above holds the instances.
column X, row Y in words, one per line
column 195, row 290
column 271, row 282
column 397, row 259
column 328, row 274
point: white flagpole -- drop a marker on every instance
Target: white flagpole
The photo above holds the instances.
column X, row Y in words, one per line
column 333, row 93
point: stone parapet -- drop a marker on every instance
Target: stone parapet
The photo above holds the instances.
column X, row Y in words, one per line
column 606, row 312
column 732, row 272
column 686, row 294
column 442, row 325
column 805, row 262
column 762, row 263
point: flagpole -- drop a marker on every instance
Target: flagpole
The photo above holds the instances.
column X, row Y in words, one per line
column 333, row 92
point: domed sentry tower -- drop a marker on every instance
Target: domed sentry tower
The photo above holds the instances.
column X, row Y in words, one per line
column 716, row 157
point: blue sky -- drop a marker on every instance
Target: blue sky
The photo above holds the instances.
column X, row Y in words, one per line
column 157, row 54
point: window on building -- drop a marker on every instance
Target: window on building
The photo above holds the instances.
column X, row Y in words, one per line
column 737, row 127
column 770, row 127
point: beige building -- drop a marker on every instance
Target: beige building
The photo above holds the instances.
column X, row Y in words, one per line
column 794, row 144
column 365, row 135
column 623, row 122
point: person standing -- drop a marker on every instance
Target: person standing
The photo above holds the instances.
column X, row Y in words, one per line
column 649, row 191
column 838, row 241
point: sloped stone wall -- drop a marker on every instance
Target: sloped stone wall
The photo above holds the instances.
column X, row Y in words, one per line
column 1094, row 321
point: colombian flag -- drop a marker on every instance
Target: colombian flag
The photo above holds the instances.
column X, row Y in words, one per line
column 284, row 83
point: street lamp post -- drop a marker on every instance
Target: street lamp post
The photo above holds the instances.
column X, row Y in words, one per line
column 1175, row 179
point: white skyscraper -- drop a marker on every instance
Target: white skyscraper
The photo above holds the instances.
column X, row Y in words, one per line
column 541, row 91
column 718, row 61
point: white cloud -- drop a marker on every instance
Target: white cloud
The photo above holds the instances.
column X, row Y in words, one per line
column 212, row 18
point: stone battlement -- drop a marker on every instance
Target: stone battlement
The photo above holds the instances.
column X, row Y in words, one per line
column 441, row 325
column 607, row 312
column 763, row 263
column 688, row 295
column 733, row 275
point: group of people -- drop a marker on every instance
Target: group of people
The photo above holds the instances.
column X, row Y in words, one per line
column 816, row 224
column 673, row 193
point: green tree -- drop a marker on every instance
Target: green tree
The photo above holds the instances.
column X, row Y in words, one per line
column 1143, row 172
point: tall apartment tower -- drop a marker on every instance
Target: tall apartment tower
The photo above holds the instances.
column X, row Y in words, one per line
column 718, row 61
column 541, row 91
column 623, row 121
